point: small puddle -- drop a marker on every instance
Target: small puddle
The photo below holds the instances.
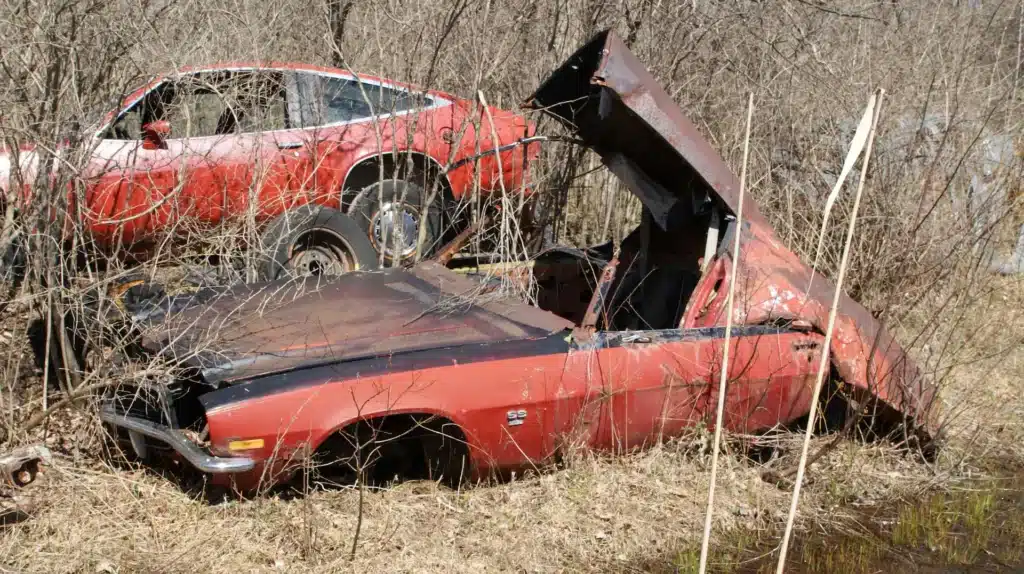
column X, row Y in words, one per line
column 975, row 528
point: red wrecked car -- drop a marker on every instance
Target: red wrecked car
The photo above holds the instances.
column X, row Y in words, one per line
column 296, row 147
column 427, row 372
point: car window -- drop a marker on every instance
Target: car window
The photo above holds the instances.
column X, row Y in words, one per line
column 344, row 100
column 128, row 126
column 196, row 110
column 206, row 104
column 259, row 101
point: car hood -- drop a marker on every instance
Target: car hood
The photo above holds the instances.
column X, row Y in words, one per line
column 251, row 330
column 606, row 95
column 608, row 98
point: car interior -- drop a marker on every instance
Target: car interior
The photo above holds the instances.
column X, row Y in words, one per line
column 208, row 104
column 658, row 269
column 660, row 261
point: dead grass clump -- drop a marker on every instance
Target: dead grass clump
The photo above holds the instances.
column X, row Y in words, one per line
column 595, row 512
column 595, row 515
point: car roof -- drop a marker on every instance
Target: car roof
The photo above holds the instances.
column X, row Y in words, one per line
column 297, row 67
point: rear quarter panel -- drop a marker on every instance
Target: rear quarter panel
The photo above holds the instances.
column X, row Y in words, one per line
column 774, row 284
column 335, row 150
column 508, row 169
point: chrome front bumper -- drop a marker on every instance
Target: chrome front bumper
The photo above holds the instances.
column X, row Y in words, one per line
column 193, row 453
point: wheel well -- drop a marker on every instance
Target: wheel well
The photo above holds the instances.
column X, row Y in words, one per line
column 410, row 166
column 845, row 407
column 401, row 446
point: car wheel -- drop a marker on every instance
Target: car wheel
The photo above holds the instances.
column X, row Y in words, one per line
column 118, row 446
column 390, row 213
column 315, row 240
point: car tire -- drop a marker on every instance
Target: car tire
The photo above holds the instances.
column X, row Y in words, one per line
column 383, row 202
column 118, row 446
column 315, row 240
column 92, row 322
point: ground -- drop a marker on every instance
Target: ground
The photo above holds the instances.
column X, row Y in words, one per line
column 638, row 513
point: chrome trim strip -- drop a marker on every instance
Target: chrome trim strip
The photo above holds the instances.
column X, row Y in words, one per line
column 192, row 452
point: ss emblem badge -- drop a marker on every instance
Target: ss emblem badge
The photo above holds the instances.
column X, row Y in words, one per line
column 516, row 418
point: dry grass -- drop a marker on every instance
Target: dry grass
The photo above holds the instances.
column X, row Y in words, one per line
column 984, row 398
column 591, row 516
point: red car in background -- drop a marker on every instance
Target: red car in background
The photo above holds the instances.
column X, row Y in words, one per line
column 295, row 148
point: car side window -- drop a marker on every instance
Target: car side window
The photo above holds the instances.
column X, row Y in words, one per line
column 258, row 100
column 207, row 104
column 345, row 100
column 128, row 125
column 197, row 110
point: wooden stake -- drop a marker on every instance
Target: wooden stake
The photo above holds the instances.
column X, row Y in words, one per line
column 824, row 362
column 725, row 351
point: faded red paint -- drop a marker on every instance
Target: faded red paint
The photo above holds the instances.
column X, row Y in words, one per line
column 137, row 195
column 609, row 399
column 774, row 283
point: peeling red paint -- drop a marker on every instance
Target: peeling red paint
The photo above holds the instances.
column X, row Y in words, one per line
column 774, row 284
column 637, row 120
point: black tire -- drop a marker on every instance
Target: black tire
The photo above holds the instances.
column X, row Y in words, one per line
column 118, row 446
column 92, row 320
column 87, row 328
column 68, row 356
column 409, row 196
column 315, row 240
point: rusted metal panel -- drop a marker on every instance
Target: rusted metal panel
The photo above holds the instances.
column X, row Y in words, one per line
column 598, row 301
column 774, row 285
column 607, row 95
column 445, row 254
column 249, row 331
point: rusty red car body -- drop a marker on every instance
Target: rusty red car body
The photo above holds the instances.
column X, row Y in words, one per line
column 301, row 151
column 622, row 348
column 773, row 283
